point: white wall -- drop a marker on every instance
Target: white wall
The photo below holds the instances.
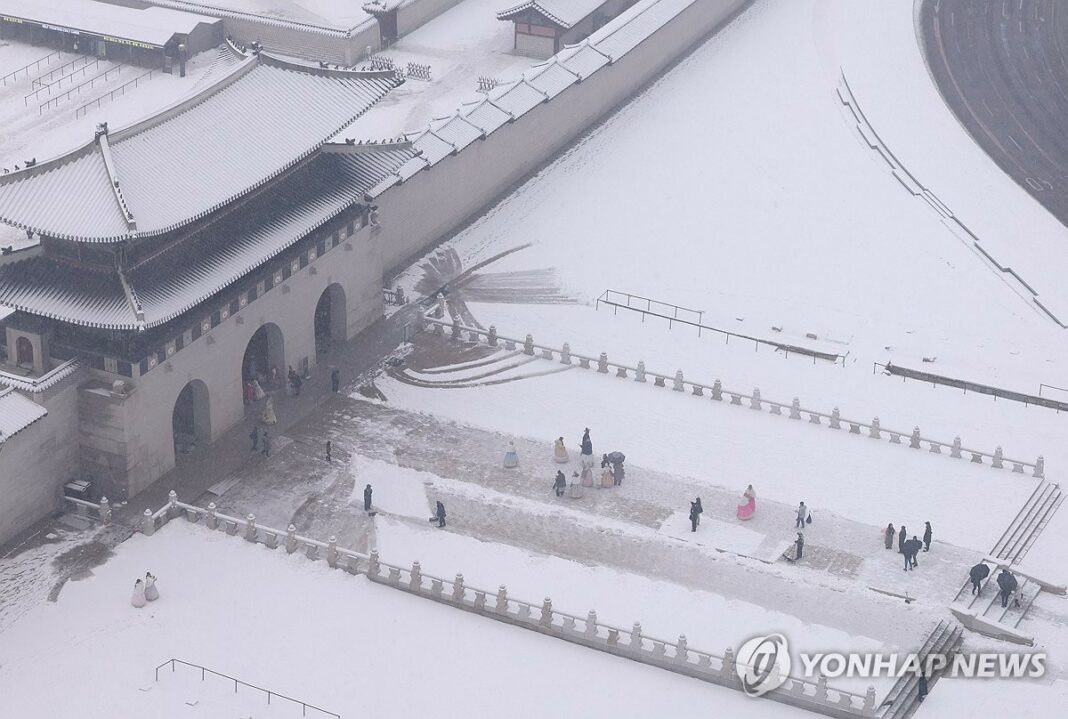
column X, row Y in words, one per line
column 423, row 211
column 415, row 13
column 37, row 462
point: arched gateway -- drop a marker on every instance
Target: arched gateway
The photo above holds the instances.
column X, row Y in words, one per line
column 331, row 320
column 191, row 418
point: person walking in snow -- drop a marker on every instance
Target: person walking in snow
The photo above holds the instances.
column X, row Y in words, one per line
column 560, row 451
column 329, row 447
column 586, row 451
column 440, row 514
column 254, row 435
column 901, row 537
column 560, row 484
column 926, row 536
column 335, row 379
column 1007, row 583
column 921, row 687
column 912, row 548
column 151, row 593
column 700, row 509
column 511, row 457
column 799, row 544
column 266, row 452
column 888, row 536
column 977, row 574
column 367, row 498
column 695, row 515
column 802, row 515
column 138, row 599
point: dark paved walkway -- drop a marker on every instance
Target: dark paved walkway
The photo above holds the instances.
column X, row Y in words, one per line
column 1001, row 66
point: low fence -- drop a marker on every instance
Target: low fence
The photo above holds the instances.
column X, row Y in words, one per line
column 204, row 671
column 673, row 655
column 718, row 392
column 35, row 65
column 120, row 90
column 694, row 318
column 38, row 87
column 966, row 385
column 77, row 89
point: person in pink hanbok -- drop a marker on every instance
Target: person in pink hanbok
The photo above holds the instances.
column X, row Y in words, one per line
column 748, row 507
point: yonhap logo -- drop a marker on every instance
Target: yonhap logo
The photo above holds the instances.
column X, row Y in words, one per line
column 763, row 664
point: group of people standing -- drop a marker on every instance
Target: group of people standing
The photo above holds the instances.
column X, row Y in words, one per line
column 145, row 591
column 908, row 548
column 612, row 469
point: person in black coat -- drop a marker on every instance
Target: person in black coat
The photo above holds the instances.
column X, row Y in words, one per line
column 694, row 514
column 1007, row 583
column 912, row 548
column 335, row 379
column 586, row 444
column 901, row 537
column 921, row 687
column 977, row 574
column 440, row 514
column 926, row 536
column 367, row 498
column 799, row 544
column 254, row 435
column 700, row 509
column 560, row 484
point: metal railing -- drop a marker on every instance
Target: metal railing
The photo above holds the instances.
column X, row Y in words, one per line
column 77, row 89
column 47, row 59
column 753, row 400
column 966, row 385
column 204, row 671
column 64, row 68
column 120, row 90
column 92, row 63
column 693, row 318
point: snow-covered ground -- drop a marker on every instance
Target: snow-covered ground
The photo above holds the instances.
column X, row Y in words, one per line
column 318, row 635
column 338, row 14
column 460, row 45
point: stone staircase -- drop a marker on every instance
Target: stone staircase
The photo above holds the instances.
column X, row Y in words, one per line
column 982, row 612
column 903, row 701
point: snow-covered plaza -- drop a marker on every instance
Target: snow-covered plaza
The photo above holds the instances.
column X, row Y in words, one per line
column 782, row 265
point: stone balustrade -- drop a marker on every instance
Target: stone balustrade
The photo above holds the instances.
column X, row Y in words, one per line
column 634, row 644
column 716, row 391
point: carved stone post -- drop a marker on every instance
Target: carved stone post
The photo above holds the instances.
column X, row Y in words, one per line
column 728, row 664
column 954, row 451
column 874, row 432
column 250, row 528
column 999, row 456
column 821, row 688
column 458, row 588
column 502, row 599
column 546, row 612
column 416, row 582
column 491, row 336
column 869, row 701
column 528, row 345
column 639, row 374
column 1040, row 467
column 373, row 565
column 591, row 624
column 795, row 409
column 602, row 363
column 331, row 552
column 105, row 510
column 836, row 419
column 148, row 524
column 211, row 520
column 914, row 440
column 677, row 386
column 682, row 654
column 291, row 539
column 717, row 390
column 172, row 505
column 636, row 637
column 754, row 401
column 456, row 330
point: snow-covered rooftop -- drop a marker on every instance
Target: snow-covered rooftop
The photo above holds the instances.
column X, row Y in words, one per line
column 249, row 126
column 151, row 25
column 565, row 13
column 17, row 413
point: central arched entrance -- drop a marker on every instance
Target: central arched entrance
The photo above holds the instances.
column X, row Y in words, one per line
column 191, row 419
column 265, row 359
column 23, row 352
column 331, row 326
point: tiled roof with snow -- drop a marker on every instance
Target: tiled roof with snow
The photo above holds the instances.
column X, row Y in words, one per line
column 192, row 271
column 152, row 25
column 17, row 412
column 259, row 119
column 565, row 13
